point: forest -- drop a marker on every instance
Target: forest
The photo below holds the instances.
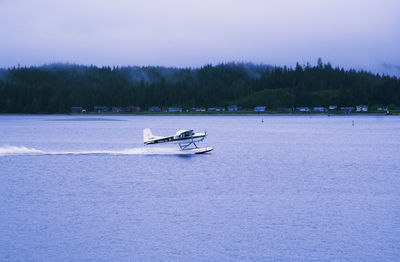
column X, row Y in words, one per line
column 55, row 88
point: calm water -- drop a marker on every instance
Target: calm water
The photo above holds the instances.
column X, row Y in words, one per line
column 83, row 188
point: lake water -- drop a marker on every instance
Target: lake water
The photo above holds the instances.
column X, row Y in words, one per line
column 293, row 188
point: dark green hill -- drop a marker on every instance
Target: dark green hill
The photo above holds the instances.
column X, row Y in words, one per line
column 56, row 88
column 281, row 97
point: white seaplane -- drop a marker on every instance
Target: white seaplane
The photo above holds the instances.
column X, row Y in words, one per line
column 184, row 138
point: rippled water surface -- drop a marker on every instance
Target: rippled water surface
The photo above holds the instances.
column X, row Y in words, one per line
column 293, row 188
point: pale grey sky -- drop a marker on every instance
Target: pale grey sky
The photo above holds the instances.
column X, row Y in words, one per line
column 349, row 33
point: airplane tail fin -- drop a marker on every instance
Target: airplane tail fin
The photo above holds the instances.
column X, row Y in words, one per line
column 147, row 135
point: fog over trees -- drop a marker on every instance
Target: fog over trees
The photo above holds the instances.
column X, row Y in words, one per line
column 56, row 88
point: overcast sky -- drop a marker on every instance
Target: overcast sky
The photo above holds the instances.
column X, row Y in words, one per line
column 186, row 33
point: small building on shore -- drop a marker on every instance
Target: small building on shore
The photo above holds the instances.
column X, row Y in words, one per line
column 346, row 108
column 116, row 109
column 260, row 108
column 303, row 109
column 319, row 109
column 232, row 108
column 100, row 109
column 131, row 109
column 332, row 108
column 382, row 108
column 154, row 109
column 77, row 109
column 362, row 108
column 174, row 109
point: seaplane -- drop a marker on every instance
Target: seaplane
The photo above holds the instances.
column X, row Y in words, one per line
column 186, row 139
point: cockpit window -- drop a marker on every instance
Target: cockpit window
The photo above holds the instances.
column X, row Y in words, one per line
column 186, row 134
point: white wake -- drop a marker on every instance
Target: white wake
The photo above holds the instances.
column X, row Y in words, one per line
column 18, row 150
column 21, row 150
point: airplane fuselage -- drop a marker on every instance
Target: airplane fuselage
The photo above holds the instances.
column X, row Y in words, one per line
column 184, row 138
column 197, row 137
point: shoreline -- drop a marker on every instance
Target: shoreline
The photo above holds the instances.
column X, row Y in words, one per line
column 265, row 113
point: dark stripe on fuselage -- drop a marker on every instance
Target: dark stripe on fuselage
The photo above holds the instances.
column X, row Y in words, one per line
column 171, row 139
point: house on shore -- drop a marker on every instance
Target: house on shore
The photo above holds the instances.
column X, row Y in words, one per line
column 131, row 109
column 382, row 108
column 100, row 109
column 216, row 109
column 332, row 108
column 260, row 108
column 154, row 109
column 319, row 109
column 303, row 109
column 346, row 108
column 116, row 109
column 77, row 109
column 174, row 109
column 362, row 108
column 232, row 108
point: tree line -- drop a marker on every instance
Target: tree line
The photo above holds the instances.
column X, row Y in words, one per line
column 58, row 87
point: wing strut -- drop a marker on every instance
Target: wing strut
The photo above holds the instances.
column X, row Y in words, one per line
column 185, row 146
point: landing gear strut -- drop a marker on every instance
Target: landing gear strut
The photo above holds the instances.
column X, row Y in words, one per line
column 185, row 146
